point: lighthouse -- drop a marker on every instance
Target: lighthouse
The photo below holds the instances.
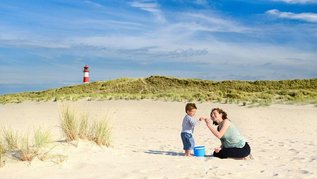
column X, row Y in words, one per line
column 86, row 74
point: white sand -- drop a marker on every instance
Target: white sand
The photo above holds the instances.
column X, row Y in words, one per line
column 147, row 144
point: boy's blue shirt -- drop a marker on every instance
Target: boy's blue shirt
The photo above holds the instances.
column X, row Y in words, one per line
column 188, row 124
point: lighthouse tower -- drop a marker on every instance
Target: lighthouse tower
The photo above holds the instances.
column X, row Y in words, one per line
column 86, row 74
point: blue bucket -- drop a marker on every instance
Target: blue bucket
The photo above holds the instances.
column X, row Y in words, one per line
column 199, row 151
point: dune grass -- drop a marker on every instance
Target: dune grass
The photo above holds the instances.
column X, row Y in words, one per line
column 265, row 92
column 25, row 151
column 81, row 127
column 11, row 138
column 42, row 138
column 23, row 147
column 83, row 130
column 26, row 147
column 102, row 132
column 3, row 150
column 69, row 123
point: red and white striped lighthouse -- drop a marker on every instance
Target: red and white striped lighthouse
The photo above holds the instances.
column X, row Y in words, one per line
column 86, row 74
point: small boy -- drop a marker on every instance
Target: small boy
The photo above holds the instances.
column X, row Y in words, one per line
column 188, row 128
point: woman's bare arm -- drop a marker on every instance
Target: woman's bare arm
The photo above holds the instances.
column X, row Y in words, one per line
column 218, row 134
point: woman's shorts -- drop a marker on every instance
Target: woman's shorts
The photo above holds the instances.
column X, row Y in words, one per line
column 234, row 152
column 188, row 141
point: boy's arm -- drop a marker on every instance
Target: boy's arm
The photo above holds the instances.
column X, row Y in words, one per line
column 193, row 121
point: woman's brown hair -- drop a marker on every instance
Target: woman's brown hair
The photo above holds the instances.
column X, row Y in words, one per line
column 220, row 111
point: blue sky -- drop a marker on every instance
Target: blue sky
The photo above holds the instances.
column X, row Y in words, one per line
column 45, row 44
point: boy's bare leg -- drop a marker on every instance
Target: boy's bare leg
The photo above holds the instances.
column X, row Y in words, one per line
column 187, row 153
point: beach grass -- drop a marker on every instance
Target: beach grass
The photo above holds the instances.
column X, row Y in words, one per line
column 23, row 147
column 26, row 147
column 102, row 132
column 83, row 130
column 69, row 123
column 11, row 138
column 81, row 127
column 26, row 152
column 265, row 92
column 42, row 138
column 3, row 150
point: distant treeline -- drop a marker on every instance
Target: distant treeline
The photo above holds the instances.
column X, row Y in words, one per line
column 262, row 92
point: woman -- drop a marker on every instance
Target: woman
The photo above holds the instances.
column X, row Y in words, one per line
column 233, row 145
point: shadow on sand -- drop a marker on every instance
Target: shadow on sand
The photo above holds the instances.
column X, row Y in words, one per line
column 171, row 153
column 160, row 152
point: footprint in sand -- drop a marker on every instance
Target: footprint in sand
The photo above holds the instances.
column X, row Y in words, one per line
column 281, row 144
column 313, row 159
column 293, row 150
column 263, row 150
column 304, row 172
column 301, row 159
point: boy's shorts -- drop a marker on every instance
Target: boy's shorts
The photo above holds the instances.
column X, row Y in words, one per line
column 188, row 141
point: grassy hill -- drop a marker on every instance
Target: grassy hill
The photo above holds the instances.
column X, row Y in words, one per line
column 175, row 89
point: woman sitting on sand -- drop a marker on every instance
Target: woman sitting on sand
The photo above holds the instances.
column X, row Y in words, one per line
column 233, row 145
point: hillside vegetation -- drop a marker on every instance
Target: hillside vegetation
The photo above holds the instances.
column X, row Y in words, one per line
column 175, row 89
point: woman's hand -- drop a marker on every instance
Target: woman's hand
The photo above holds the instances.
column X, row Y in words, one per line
column 217, row 149
column 203, row 118
column 208, row 121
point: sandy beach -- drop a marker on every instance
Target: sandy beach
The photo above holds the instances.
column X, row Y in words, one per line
column 146, row 141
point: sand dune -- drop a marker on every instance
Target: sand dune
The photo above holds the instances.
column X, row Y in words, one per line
column 147, row 144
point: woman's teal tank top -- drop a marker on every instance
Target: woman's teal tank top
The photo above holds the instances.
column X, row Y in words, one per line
column 232, row 138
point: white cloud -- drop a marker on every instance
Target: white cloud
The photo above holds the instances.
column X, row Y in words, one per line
column 298, row 1
column 213, row 23
column 308, row 17
column 151, row 7
column 94, row 4
column 24, row 39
